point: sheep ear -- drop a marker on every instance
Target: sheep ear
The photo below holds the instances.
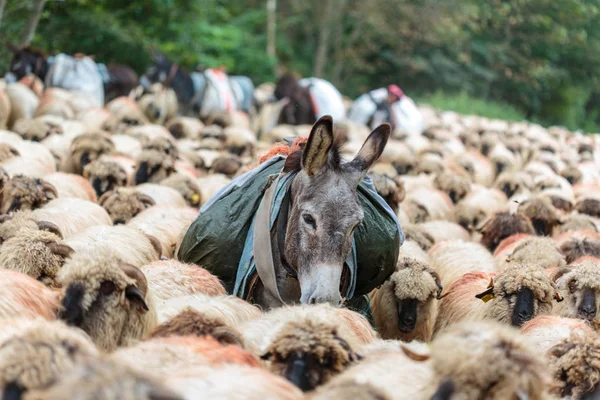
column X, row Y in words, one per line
column 226, row 336
column 60, row 249
column 438, row 283
column 104, row 197
column 135, row 296
column 413, row 355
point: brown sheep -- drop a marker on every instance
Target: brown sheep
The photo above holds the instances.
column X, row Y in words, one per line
column 227, row 165
column 192, row 323
column 186, row 186
column 153, row 166
column 85, row 149
column 502, row 225
column 542, row 214
column 105, row 175
column 576, row 248
column 588, row 206
column 308, row 353
column 575, row 365
column 405, row 306
column 25, row 193
column 36, row 253
column 185, row 127
column 123, row 204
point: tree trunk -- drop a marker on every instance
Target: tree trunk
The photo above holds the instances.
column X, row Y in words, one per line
column 34, row 18
column 2, row 5
column 271, row 27
column 324, row 36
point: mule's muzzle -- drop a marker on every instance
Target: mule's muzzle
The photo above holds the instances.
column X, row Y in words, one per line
column 407, row 315
column 523, row 311
column 321, row 285
column 72, row 305
column 587, row 308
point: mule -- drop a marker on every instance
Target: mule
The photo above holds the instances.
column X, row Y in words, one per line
column 30, row 60
column 299, row 109
column 313, row 234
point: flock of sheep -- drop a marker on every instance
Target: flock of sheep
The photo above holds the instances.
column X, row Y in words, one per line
column 495, row 295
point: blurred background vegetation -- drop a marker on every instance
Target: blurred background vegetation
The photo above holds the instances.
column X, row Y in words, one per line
column 535, row 59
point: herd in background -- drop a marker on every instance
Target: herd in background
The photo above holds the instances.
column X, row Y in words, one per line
column 495, row 294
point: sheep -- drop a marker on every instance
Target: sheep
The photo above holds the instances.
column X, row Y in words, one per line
column 545, row 331
column 7, row 151
column 165, row 224
column 308, row 353
column 122, row 204
column 411, row 249
column 5, row 108
column 36, row 253
column 172, row 279
column 445, row 230
column 227, row 165
column 162, row 195
column 453, row 259
column 502, row 225
column 164, row 145
column 538, row 251
column 190, row 322
column 575, row 366
column 562, row 201
column 37, row 353
column 71, row 186
column 24, row 297
column 25, row 193
column 93, row 118
column 85, row 149
column 186, row 186
column 185, row 127
column 514, row 296
column 159, row 104
column 153, row 166
column 211, row 184
column 419, row 235
column 579, row 284
column 215, row 383
column 107, row 298
column 455, row 186
column 105, row 175
column 130, row 245
column 352, row 327
column 36, row 129
column 391, row 190
column 577, row 222
column 23, row 102
column 405, row 306
column 576, row 248
column 486, row 360
column 104, row 379
column 588, row 206
column 165, row 356
column 479, row 204
column 72, row 215
column 232, row 310
column 542, row 214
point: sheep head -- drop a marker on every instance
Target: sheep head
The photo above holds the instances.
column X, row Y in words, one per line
column 589, row 206
column 89, row 147
column 123, row 204
column 542, row 214
column 25, row 193
column 153, row 166
column 519, row 294
column 580, row 286
column 576, row 248
column 36, row 253
column 308, row 354
column 575, row 365
column 7, row 152
column 37, row 353
column 186, row 186
column 226, row 165
column 455, row 186
column 418, row 235
column 36, row 129
column 502, row 225
column 485, row 360
column 163, row 145
column 106, row 298
column 105, row 175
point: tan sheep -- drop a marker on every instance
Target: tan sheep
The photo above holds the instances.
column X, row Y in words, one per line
column 186, row 186
column 536, row 251
column 71, row 186
column 37, row 129
column 419, row 235
column 546, row 331
column 405, row 306
column 514, row 296
column 107, row 298
column 455, row 186
column 105, row 175
column 579, row 284
column 122, row 204
column 85, row 149
column 542, row 214
column 36, row 253
column 23, row 297
column 71, row 215
column 185, row 127
column 577, row 222
column 37, row 353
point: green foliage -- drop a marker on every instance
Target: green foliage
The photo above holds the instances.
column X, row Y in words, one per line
column 539, row 56
column 465, row 104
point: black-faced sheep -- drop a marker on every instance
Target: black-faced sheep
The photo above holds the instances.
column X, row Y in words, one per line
column 579, row 284
column 25, row 193
column 185, row 127
column 36, row 129
column 105, row 175
column 186, row 186
column 514, row 296
column 36, row 353
column 308, row 353
column 405, row 306
column 85, row 149
column 455, row 186
column 153, row 166
column 542, row 214
column 122, row 204
column 106, row 298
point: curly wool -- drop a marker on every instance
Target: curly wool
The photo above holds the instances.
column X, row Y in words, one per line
column 123, row 204
column 542, row 214
column 539, row 251
column 153, row 166
column 10, row 225
column 25, row 193
column 575, row 364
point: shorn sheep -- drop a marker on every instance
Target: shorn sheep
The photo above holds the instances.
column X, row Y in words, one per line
column 405, row 307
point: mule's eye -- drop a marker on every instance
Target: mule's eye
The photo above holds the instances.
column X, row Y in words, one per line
column 107, row 287
column 309, row 220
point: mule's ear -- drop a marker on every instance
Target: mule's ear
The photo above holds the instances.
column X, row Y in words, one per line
column 316, row 151
column 369, row 152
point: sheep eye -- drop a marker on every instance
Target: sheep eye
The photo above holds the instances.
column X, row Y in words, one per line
column 107, row 287
column 309, row 220
column 572, row 286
